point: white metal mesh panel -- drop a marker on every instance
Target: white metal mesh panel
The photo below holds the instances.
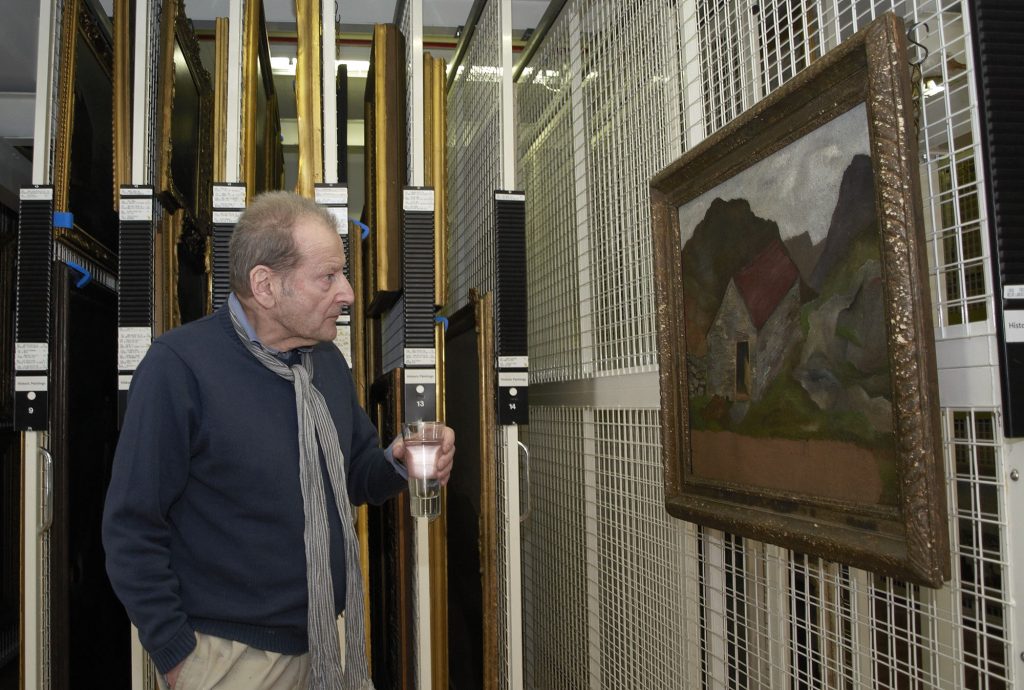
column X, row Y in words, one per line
column 629, row 122
column 756, row 616
column 502, row 518
column 603, row 578
column 474, row 160
column 556, row 233
column 555, row 553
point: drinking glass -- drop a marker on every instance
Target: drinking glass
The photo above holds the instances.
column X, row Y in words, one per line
column 422, row 446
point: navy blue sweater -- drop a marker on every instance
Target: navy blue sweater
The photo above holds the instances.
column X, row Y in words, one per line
column 203, row 524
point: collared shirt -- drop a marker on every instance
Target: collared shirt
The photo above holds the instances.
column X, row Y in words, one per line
column 290, row 357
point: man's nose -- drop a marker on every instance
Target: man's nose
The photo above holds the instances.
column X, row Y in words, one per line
column 345, row 293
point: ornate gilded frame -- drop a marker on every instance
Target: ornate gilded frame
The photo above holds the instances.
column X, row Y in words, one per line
column 307, row 96
column 82, row 28
column 435, row 125
column 124, row 11
column 194, row 155
column 907, row 540
column 220, row 99
column 385, row 168
column 262, row 155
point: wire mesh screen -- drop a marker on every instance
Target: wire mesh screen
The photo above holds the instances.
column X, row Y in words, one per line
column 474, row 160
column 603, row 124
column 603, row 573
column 615, row 593
column 557, row 237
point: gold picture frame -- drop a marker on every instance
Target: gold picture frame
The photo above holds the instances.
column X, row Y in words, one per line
column 124, row 11
column 771, row 389
column 262, row 151
column 435, row 126
column 385, row 168
column 184, row 138
column 83, row 166
column 307, row 97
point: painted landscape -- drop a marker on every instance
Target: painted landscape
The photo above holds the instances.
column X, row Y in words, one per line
column 787, row 361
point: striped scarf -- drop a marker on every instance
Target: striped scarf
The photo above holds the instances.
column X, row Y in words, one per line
column 316, row 426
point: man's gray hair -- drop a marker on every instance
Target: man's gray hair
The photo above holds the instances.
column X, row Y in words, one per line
column 264, row 235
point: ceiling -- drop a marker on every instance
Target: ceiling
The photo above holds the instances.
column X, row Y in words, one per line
column 19, row 29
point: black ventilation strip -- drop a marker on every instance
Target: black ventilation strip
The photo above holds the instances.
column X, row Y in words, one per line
column 32, row 311
column 998, row 28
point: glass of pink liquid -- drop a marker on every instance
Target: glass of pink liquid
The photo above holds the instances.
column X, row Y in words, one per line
column 423, row 445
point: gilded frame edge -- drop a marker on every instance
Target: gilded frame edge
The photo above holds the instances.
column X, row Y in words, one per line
column 870, row 67
column 256, row 58
column 307, row 97
column 78, row 17
column 123, row 10
column 176, row 28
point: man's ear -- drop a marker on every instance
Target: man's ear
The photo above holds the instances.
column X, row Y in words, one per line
column 262, row 284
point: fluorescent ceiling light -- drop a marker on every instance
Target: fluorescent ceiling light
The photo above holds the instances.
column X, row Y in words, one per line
column 358, row 69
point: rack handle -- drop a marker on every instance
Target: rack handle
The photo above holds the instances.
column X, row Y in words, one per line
column 529, row 504
column 47, row 497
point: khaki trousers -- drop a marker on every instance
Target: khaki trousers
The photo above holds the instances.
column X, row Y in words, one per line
column 228, row 665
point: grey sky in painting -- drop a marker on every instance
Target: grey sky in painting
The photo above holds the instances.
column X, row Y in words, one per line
column 796, row 187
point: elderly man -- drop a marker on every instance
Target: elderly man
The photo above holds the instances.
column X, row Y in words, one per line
column 227, row 525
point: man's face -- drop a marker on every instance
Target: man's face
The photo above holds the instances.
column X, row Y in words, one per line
column 314, row 293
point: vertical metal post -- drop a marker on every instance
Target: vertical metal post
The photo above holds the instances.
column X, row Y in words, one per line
column 329, row 101
column 415, row 39
column 236, row 11
column 140, row 95
column 581, row 181
column 34, row 542
column 31, row 592
column 509, row 436
column 424, row 677
column 508, row 133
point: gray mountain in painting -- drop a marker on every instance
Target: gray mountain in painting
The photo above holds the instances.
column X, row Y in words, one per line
column 855, row 209
column 776, row 356
column 728, row 238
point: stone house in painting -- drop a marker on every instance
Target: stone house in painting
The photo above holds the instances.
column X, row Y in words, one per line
column 755, row 327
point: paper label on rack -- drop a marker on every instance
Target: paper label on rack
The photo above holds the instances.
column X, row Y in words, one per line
column 343, row 341
column 33, row 194
column 1013, row 325
column 31, row 356
column 519, row 379
column 226, row 217
column 228, row 196
column 331, row 196
column 510, row 197
column 136, row 209
column 420, row 357
column 340, row 214
column 124, row 382
column 418, row 200
column 29, row 384
column 513, row 362
column 136, row 191
column 1013, row 292
column 423, row 376
column 132, row 345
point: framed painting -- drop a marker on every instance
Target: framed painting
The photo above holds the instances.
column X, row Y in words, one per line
column 799, row 394
column 124, row 20
column 261, row 150
column 83, row 165
column 184, row 138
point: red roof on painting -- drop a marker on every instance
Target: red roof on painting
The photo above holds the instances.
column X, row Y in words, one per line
column 765, row 281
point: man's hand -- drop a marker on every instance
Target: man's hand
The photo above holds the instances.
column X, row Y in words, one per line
column 172, row 675
column 445, row 458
